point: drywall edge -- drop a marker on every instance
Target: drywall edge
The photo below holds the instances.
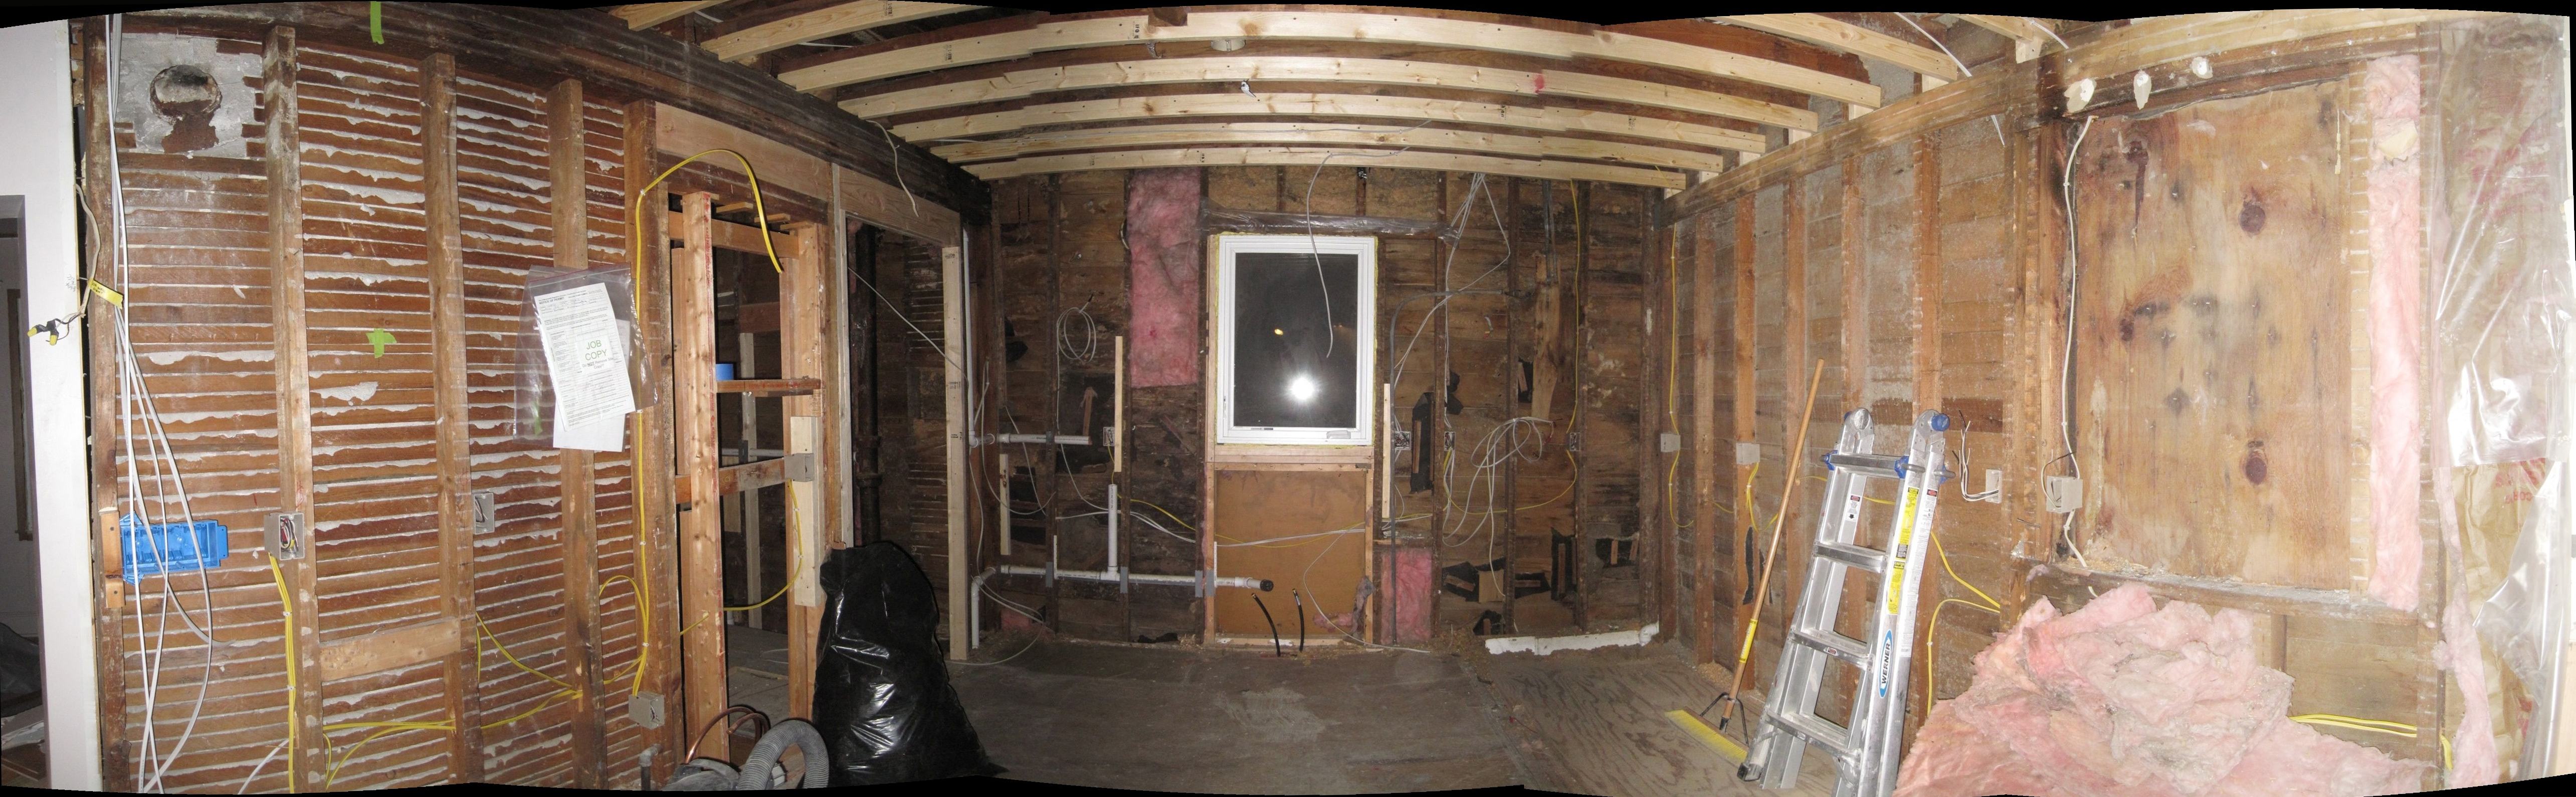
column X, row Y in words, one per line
column 38, row 135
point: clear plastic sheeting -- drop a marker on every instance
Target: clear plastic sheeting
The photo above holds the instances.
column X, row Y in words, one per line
column 2502, row 294
column 2502, row 324
column 533, row 415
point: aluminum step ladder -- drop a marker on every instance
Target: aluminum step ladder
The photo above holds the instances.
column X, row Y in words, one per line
column 1864, row 748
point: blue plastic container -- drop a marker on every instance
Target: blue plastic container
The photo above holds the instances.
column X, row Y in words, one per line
column 172, row 547
column 724, row 372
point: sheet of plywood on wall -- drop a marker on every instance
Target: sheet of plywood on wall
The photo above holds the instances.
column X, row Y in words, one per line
column 1612, row 351
column 197, row 288
column 1726, row 544
column 2211, row 347
column 504, row 189
column 1255, row 505
column 375, row 463
column 1977, row 298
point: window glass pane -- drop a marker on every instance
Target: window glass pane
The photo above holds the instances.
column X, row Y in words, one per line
column 1295, row 363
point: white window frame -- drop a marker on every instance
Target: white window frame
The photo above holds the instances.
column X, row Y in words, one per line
column 1228, row 246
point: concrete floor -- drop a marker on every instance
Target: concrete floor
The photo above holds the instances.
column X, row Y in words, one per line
column 1175, row 718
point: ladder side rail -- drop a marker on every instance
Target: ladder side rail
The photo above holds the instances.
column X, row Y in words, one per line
column 1924, row 480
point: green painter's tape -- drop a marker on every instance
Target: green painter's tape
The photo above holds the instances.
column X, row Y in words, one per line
column 379, row 337
column 376, row 22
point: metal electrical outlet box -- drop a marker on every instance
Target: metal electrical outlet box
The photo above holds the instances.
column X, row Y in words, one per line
column 2065, row 494
column 1748, row 453
column 800, row 467
column 645, row 709
column 487, row 511
column 1668, row 442
column 285, row 535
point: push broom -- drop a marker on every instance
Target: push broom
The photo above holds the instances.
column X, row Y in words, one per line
column 1691, row 723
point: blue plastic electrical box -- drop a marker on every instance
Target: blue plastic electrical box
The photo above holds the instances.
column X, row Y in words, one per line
column 172, row 547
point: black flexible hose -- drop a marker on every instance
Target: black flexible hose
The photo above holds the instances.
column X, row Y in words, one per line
column 754, row 774
column 1301, row 621
column 1274, row 627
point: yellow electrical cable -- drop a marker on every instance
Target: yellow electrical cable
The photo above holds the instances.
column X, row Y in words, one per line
column 287, row 608
column 486, row 631
column 635, row 219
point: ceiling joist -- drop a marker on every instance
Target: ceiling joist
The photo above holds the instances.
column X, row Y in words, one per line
column 1305, row 156
column 1341, row 105
column 824, row 23
column 868, row 64
column 645, row 15
column 1316, row 133
column 1837, row 35
column 1018, row 85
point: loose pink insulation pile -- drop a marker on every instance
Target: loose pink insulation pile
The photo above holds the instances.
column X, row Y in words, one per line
column 2121, row 699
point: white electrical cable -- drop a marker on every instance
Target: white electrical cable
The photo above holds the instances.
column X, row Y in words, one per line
column 2066, row 365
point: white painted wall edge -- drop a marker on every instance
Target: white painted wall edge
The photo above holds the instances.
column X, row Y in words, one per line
column 1546, row 645
column 37, row 135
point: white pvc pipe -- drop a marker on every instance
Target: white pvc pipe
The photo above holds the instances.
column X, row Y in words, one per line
column 1113, row 526
column 975, row 617
column 1546, row 645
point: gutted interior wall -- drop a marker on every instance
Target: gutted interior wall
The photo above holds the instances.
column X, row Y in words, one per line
column 2243, row 244
column 1064, row 251
column 299, row 232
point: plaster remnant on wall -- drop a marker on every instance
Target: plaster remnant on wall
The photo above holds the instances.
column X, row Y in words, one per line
column 354, row 393
column 147, row 56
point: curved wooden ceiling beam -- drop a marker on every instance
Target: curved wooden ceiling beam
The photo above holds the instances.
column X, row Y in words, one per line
column 1840, row 36
column 1018, row 85
column 823, row 24
column 1334, row 156
column 1322, row 133
column 871, row 63
column 1415, row 109
column 644, row 15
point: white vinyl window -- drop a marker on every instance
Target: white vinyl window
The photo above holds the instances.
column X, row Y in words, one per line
column 1296, row 335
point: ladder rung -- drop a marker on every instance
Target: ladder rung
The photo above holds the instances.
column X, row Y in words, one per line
column 1850, row 650
column 1835, row 740
column 1874, row 465
column 1874, row 561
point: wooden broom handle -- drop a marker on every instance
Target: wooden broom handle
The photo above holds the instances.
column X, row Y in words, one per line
column 1762, row 594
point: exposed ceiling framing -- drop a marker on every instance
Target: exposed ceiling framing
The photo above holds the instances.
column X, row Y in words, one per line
column 1005, row 93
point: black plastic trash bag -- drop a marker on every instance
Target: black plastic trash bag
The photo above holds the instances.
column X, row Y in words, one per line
column 881, row 693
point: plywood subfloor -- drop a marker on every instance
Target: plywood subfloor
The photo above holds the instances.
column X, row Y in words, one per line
column 1174, row 718
column 1592, row 722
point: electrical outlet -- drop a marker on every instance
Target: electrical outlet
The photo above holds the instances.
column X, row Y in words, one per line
column 2065, row 494
column 1669, row 442
column 286, row 535
column 1403, row 440
column 1573, row 441
column 1748, row 453
column 1994, row 485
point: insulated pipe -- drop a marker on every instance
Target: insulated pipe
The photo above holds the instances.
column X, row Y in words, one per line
column 975, row 619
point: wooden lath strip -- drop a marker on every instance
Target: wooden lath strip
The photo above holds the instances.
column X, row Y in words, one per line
column 1307, row 133
column 829, row 71
column 386, row 650
column 1839, row 36
column 1344, row 156
column 645, row 15
column 823, row 24
column 1414, row 109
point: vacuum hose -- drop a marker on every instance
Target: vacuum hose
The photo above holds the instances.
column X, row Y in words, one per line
column 801, row 735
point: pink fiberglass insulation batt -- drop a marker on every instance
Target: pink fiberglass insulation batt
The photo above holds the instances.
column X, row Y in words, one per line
column 1163, row 277
column 2126, row 700
column 2394, row 95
